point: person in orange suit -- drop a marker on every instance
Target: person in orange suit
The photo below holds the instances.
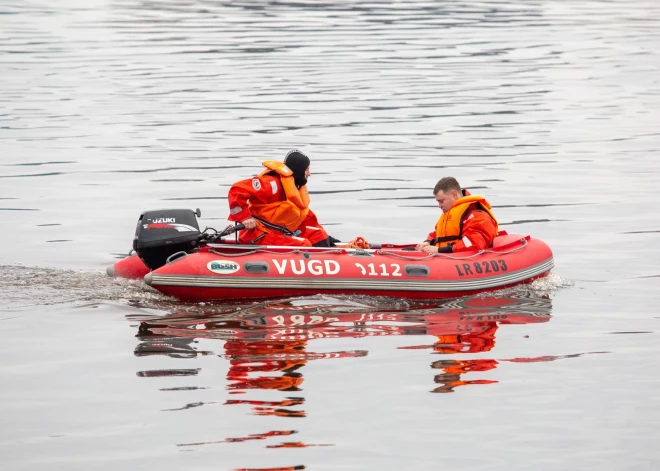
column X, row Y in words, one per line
column 274, row 206
column 481, row 339
column 466, row 221
column 453, row 369
column 247, row 357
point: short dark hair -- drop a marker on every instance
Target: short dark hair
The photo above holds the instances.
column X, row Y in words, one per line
column 447, row 184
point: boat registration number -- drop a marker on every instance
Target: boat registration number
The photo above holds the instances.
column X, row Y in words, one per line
column 380, row 269
column 492, row 266
column 331, row 267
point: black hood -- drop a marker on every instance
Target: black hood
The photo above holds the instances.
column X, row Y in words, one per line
column 298, row 163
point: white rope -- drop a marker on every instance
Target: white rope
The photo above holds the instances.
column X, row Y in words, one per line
column 234, row 254
column 406, row 257
column 378, row 252
column 275, row 252
column 450, row 257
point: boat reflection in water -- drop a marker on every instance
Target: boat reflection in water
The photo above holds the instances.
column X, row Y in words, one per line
column 266, row 343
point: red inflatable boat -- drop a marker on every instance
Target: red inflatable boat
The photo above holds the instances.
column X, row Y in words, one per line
column 190, row 266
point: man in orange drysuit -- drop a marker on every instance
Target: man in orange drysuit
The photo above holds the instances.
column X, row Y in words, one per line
column 274, row 206
column 466, row 220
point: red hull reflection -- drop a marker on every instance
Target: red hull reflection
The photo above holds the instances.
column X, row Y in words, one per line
column 266, row 343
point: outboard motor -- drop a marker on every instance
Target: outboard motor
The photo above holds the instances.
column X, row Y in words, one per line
column 165, row 232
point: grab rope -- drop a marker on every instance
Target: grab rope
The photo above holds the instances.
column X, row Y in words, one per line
column 340, row 250
column 450, row 257
column 406, row 257
column 240, row 254
column 274, row 252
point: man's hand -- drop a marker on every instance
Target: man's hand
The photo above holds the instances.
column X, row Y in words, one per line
column 420, row 247
column 429, row 248
column 249, row 223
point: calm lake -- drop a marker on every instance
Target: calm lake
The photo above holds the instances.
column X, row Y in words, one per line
column 549, row 109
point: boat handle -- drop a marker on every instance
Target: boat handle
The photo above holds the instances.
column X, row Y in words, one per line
column 174, row 256
column 256, row 267
column 416, row 270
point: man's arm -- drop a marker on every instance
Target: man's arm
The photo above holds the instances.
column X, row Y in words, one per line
column 263, row 189
column 479, row 230
column 238, row 196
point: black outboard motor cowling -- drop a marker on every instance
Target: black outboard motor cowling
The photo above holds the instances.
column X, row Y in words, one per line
column 164, row 232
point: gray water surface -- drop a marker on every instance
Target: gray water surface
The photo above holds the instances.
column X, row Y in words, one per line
column 547, row 108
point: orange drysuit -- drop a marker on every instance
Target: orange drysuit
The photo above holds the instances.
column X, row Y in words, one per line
column 469, row 223
column 273, row 199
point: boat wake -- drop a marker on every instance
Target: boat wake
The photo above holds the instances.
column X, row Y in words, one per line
column 24, row 286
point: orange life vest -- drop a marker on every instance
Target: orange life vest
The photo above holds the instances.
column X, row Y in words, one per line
column 289, row 213
column 450, row 225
